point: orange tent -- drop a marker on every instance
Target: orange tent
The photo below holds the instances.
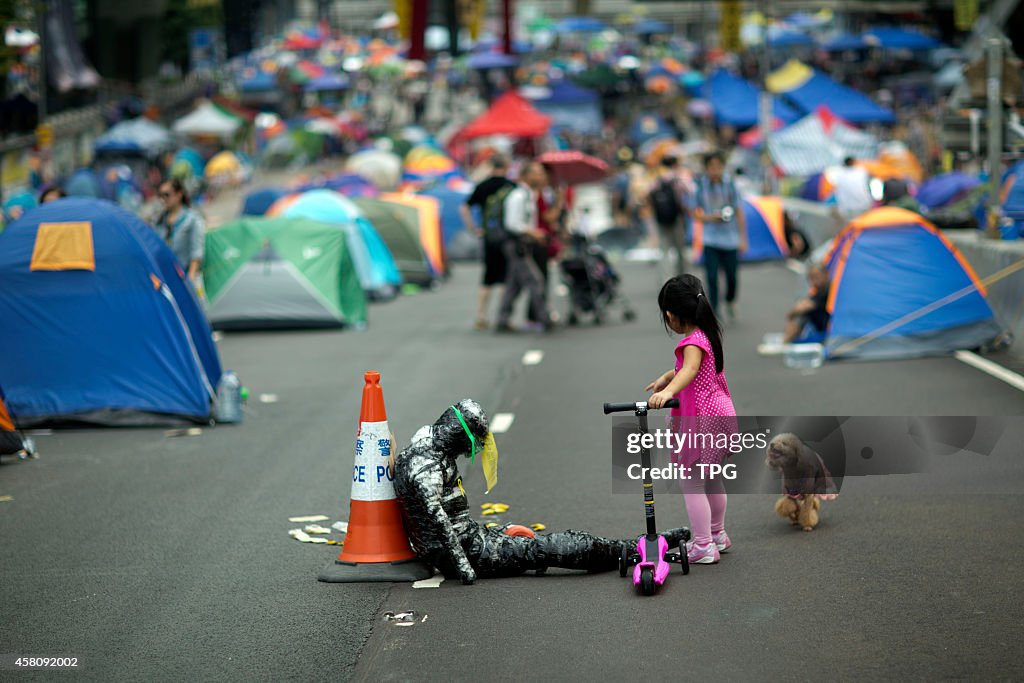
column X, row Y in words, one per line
column 431, row 237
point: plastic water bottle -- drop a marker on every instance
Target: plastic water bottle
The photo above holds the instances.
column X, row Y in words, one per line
column 229, row 398
column 804, row 356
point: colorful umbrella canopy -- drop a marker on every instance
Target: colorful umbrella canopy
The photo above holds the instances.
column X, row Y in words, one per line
column 573, row 167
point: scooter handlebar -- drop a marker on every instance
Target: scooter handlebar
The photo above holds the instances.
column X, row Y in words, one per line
column 632, row 407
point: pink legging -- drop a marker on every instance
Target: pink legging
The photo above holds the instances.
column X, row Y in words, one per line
column 705, row 506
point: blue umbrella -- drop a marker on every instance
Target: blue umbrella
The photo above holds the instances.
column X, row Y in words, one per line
column 646, row 27
column 580, row 25
column 492, row 60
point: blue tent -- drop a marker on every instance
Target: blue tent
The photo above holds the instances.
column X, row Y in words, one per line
column 649, row 126
column 259, row 82
column 373, row 261
column 945, row 189
column 846, row 103
column 257, row 202
column 900, row 289
column 100, row 324
column 450, row 202
column 766, row 234
column 736, row 101
column 137, row 136
column 572, row 107
column 329, row 81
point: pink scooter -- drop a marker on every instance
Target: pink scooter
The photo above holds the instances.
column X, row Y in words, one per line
column 650, row 561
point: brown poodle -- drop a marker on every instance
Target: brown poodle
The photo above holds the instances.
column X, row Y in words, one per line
column 805, row 480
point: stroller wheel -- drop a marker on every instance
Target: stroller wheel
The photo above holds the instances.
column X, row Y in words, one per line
column 574, row 319
column 629, row 315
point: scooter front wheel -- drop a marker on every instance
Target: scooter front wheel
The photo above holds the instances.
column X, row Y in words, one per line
column 647, row 581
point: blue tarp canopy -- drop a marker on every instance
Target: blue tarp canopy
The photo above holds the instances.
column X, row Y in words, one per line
column 736, row 101
column 895, row 38
column 492, row 60
column 580, row 25
column 646, row 27
column 788, row 38
column 571, row 106
column 846, row 103
column 135, row 136
column 329, row 81
column 100, row 326
column 845, row 41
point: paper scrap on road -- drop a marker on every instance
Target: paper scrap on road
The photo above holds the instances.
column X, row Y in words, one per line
column 400, row 618
column 6, row 499
column 309, row 518
column 342, row 526
column 316, row 529
column 501, row 422
column 494, row 508
column 538, row 527
column 533, row 357
column 432, row 582
column 268, row 398
column 192, row 431
column 302, row 536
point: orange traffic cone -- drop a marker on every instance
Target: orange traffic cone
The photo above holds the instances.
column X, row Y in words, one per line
column 376, row 547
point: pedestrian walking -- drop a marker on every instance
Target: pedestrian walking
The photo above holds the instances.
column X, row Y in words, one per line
column 182, row 227
column 717, row 204
column 488, row 197
column 666, row 201
column 705, row 407
column 521, row 223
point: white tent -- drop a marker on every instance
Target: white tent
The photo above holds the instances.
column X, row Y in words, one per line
column 818, row 141
column 207, row 119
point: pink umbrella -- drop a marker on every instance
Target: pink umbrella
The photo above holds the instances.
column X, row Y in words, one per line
column 573, row 167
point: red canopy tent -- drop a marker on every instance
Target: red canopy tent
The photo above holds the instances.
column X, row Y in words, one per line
column 509, row 115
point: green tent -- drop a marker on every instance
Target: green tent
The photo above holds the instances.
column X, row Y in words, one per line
column 281, row 273
column 398, row 226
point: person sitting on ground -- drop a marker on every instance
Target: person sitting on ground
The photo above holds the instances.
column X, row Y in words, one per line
column 51, row 193
column 809, row 317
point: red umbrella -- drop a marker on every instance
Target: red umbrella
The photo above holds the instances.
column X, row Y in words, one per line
column 573, row 168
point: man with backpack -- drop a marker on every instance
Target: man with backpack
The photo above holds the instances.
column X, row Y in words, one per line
column 667, row 208
column 489, row 198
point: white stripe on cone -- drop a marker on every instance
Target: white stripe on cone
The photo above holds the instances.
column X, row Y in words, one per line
column 371, row 479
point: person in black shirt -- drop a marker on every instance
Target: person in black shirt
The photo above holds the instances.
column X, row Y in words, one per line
column 811, row 311
column 495, row 265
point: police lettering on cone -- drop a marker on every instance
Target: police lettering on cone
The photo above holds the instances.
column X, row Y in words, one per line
column 376, row 547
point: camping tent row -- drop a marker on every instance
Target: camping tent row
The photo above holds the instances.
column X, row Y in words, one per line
column 901, row 289
column 798, row 90
column 316, row 258
column 100, row 322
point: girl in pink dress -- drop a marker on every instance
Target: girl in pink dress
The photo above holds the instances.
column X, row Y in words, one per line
column 705, row 407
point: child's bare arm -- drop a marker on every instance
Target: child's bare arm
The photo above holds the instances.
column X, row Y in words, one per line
column 661, row 382
column 692, row 356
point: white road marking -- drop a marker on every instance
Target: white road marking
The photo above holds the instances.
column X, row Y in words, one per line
column 533, row 357
column 501, row 422
column 432, row 582
column 991, row 368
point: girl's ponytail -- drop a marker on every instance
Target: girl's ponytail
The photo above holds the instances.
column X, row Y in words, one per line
column 706, row 320
column 684, row 297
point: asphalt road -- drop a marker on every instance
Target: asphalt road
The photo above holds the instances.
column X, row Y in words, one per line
column 159, row 558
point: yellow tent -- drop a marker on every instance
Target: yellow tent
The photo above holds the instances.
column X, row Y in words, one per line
column 223, row 164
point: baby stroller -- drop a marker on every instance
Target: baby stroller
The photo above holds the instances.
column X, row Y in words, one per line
column 592, row 281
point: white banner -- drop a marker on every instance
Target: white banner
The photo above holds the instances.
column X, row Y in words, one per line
column 371, row 479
